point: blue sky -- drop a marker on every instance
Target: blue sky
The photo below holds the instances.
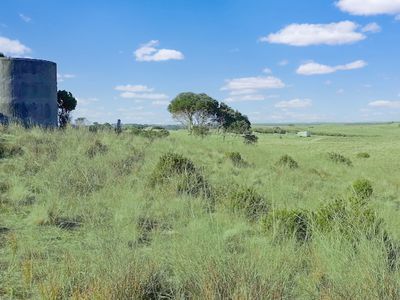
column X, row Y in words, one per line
column 276, row 61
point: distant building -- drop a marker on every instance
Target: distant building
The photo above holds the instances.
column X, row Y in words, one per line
column 304, row 134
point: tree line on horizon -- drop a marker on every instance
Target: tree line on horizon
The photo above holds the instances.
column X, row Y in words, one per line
column 198, row 113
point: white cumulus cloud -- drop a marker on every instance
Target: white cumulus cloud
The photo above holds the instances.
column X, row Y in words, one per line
column 13, row 47
column 244, row 98
column 313, row 68
column 369, row 7
column 63, row 77
column 253, row 83
column 250, row 88
column 144, row 96
column 139, row 92
column 149, row 52
column 295, row 103
column 133, row 88
column 384, row 104
column 372, row 27
column 317, row 34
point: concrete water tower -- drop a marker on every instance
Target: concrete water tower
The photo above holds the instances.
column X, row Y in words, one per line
column 28, row 91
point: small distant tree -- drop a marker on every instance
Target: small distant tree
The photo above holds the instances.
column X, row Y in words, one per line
column 81, row 121
column 193, row 109
column 2, row 54
column 66, row 103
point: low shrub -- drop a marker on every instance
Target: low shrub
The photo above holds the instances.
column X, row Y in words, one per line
column 287, row 161
column 55, row 219
column 153, row 134
column 201, row 131
column 350, row 216
column 362, row 188
column 236, row 159
column 248, row 200
column 97, row 148
column 363, row 155
column 8, row 150
column 250, row 138
column 339, row 158
column 4, row 187
column 150, row 133
column 145, row 226
column 126, row 165
column 290, row 223
column 187, row 177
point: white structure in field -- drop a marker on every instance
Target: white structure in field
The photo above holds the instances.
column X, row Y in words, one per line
column 304, row 134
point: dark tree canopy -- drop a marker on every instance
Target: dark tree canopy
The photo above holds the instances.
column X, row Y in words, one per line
column 2, row 54
column 66, row 103
column 230, row 120
column 193, row 109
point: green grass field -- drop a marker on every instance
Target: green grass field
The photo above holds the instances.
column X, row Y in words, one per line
column 88, row 215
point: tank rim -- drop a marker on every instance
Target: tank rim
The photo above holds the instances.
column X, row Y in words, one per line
column 26, row 59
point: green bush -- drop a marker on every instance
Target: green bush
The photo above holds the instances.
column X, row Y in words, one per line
column 287, row 161
column 173, row 167
column 351, row 217
column 201, row 131
column 363, row 155
column 250, row 138
column 339, row 158
column 145, row 226
column 362, row 188
column 97, row 148
column 290, row 223
column 8, row 150
column 248, row 200
column 152, row 133
column 236, row 159
column 4, row 187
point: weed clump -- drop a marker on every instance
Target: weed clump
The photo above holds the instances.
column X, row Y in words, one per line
column 4, row 187
column 339, row 158
column 248, row 200
column 236, row 159
column 67, row 223
column 201, row 131
column 287, row 161
column 290, row 223
column 350, row 216
column 250, row 138
column 362, row 188
column 97, row 148
column 175, row 168
column 363, row 155
column 8, row 150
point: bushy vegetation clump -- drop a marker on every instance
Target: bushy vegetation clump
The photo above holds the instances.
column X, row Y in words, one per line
column 201, row 131
column 363, row 155
column 236, row 159
column 250, row 139
column 362, row 188
column 286, row 224
column 247, row 200
column 8, row 150
column 339, row 159
column 180, row 171
column 97, row 148
column 287, row 161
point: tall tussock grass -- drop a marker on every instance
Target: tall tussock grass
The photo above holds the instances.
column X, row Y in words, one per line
column 91, row 214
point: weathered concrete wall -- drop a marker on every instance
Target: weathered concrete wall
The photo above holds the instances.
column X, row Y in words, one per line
column 28, row 91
